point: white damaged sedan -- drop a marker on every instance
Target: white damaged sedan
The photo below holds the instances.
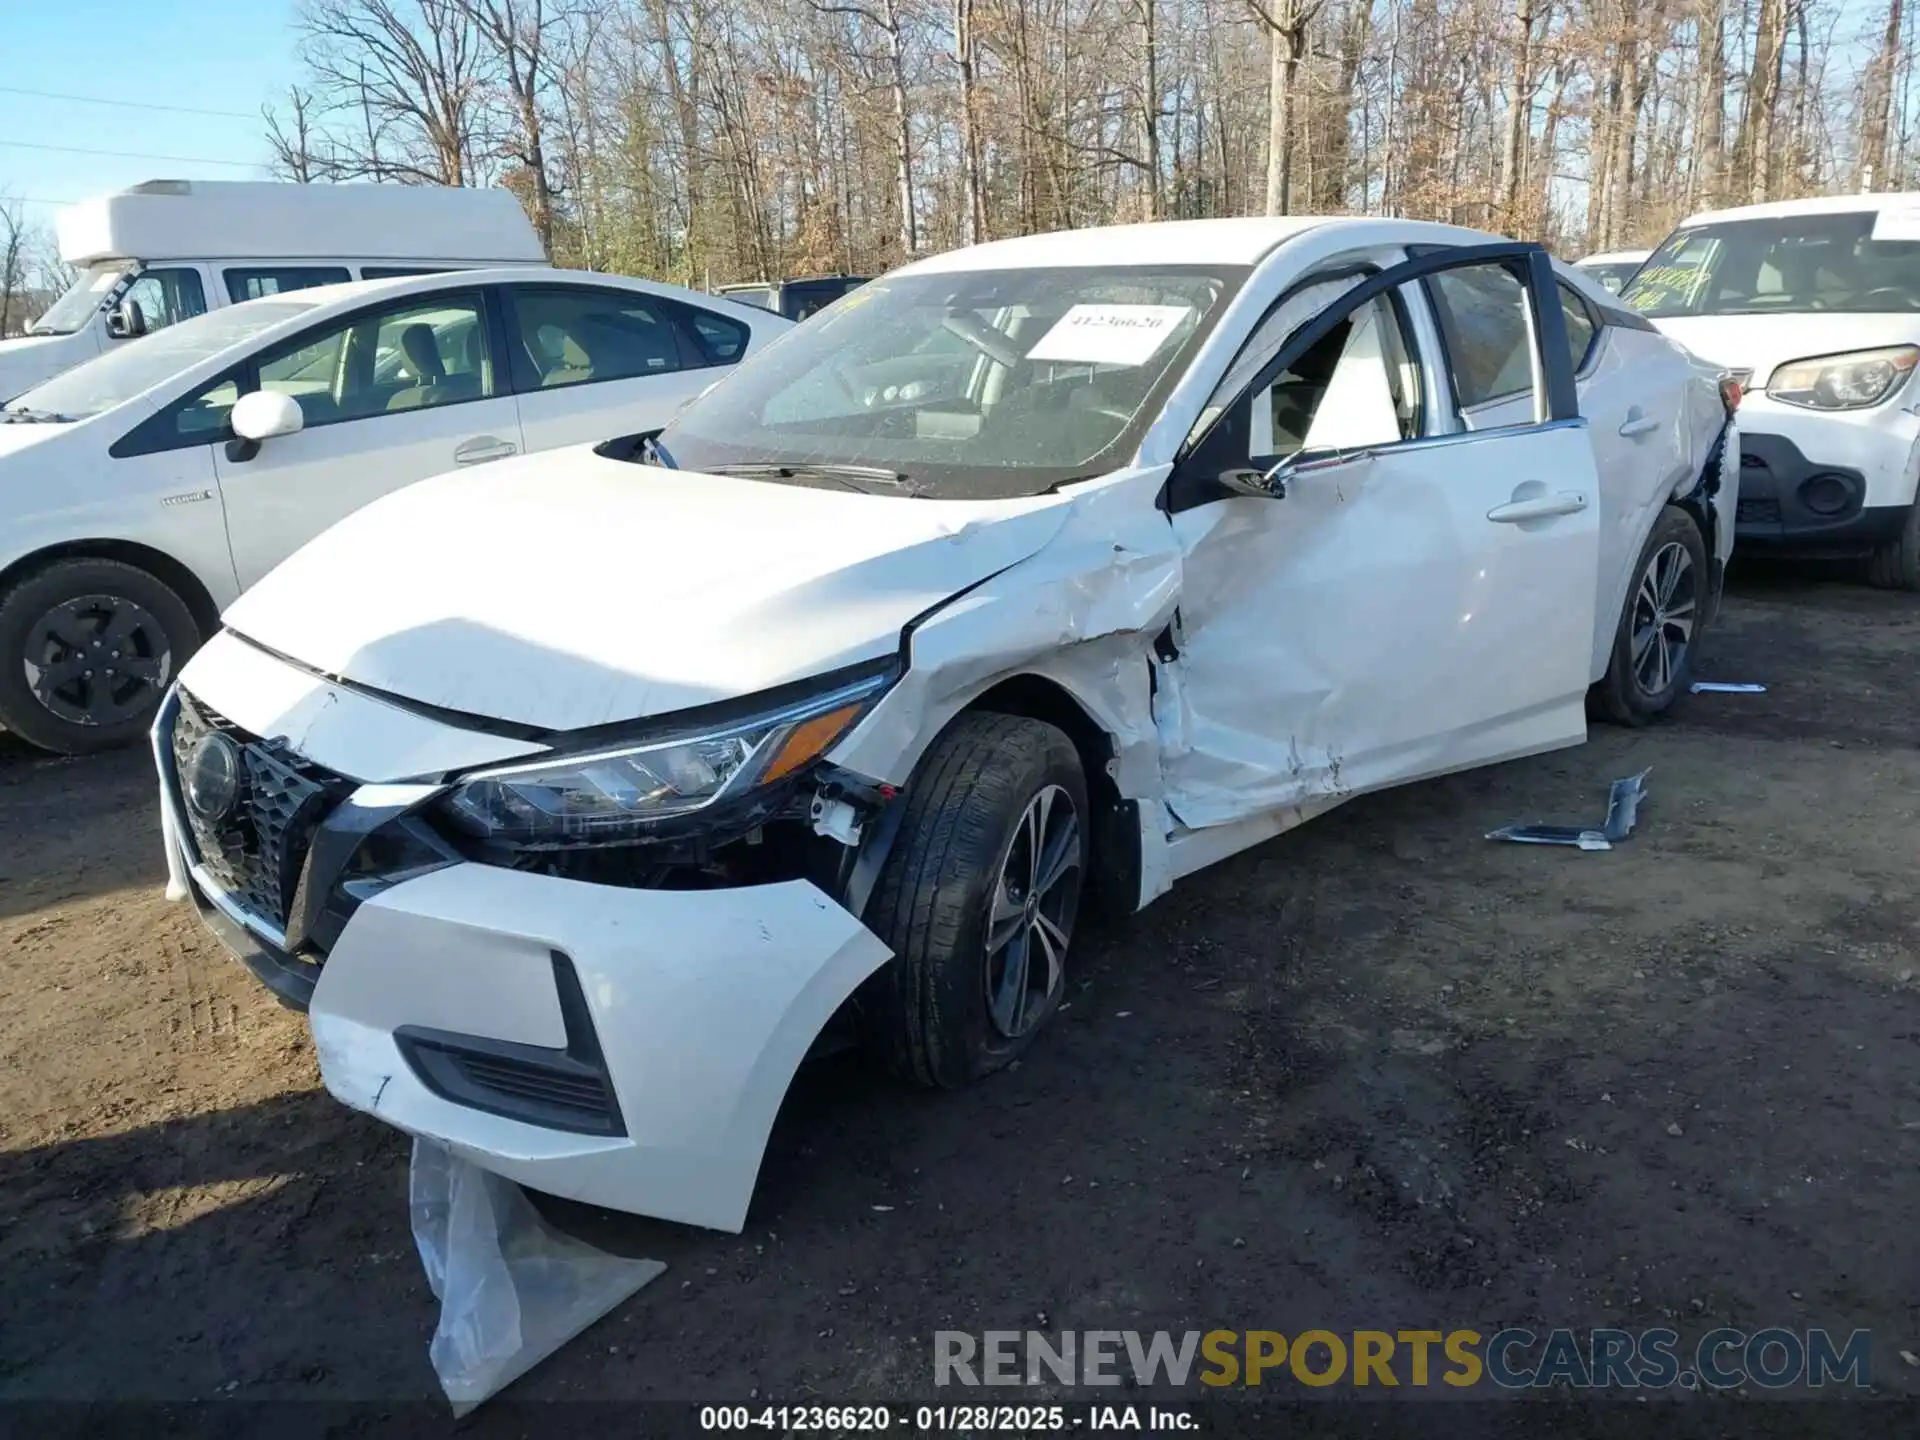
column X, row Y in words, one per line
column 574, row 797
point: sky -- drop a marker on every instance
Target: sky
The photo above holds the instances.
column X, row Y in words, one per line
column 230, row 56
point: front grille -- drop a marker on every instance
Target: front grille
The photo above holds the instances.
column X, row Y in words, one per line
column 1751, row 461
column 1757, row 512
column 253, row 852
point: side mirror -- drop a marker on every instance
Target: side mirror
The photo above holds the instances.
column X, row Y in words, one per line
column 1274, row 482
column 126, row 321
column 260, row 416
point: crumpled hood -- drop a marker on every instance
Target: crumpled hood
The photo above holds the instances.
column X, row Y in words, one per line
column 1762, row 343
column 564, row 590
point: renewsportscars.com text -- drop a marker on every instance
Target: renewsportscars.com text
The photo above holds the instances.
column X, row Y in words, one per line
column 1772, row 1358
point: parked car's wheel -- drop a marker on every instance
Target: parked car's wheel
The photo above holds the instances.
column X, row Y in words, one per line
column 87, row 650
column 1653, row 645
column 977, row 900
column 1895, row 563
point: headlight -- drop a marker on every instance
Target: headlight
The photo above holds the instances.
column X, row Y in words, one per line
column 608, row 795
column 1843, row 382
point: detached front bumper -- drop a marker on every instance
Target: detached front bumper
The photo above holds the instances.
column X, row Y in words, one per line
column 624, row 1047
column 628, row 1048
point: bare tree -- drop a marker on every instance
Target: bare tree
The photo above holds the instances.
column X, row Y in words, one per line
column 710, row 140
column 408, row 77
column 14, row 237
column 295, row 144
column 1871, row 160
column 1286, row 23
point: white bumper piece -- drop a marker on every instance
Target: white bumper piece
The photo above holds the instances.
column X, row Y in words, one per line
column 702, row 1003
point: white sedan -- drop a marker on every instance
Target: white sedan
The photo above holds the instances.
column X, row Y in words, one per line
column 1042, row 572
column 142, row 491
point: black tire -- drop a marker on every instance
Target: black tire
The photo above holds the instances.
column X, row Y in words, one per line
column 86, row 597
column 1895, row 563
column 1628, row 694
column 927, row 1014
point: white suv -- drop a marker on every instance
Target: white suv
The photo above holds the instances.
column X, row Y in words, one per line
column 1815, row 305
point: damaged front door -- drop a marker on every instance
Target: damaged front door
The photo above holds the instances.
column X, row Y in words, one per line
column 1371, row 594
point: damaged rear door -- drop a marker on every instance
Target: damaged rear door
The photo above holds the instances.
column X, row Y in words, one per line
column 1370, row 592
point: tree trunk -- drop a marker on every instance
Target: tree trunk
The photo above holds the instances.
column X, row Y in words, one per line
column 1869, row 164
column 902, row 128
column 974, row 217
column 1704, row 178
column 1519, row 115
column 1763, row 88
column 1150, row 110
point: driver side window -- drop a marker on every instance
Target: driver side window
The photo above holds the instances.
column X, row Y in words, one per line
column 1356, row 387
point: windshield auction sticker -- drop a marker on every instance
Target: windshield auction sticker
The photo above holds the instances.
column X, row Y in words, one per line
column 1109, row 334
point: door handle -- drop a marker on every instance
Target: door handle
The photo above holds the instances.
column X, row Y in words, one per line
column 484, row 448
column 1638, row 424
column 1567, row 502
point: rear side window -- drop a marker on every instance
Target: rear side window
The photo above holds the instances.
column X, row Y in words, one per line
column 720, row 341
column 1482, row 311
column 1581, row 326
column 583, row 337
column 252, row 284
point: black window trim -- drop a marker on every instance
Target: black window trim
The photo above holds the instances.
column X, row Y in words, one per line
column 1529, row 263
column 1598, row 326
column 683, row 315
column 685, row 343
column 247, row 372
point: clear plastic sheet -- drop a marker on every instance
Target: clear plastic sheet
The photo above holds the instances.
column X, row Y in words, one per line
column 512, row 1289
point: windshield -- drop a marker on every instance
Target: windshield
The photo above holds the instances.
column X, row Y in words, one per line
column 138, row 365
column 1782, row 264
column 84, row 297
column 972, row 385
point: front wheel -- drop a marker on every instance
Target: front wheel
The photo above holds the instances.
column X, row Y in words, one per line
column 1659, row 623
column 87, row 650
column 978, row 900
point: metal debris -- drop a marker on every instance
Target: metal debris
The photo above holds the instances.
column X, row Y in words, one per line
column 1725, row 687
column 1623, row 806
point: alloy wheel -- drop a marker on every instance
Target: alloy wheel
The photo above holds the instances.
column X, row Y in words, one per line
column 1030, row 919
column 1663, row 614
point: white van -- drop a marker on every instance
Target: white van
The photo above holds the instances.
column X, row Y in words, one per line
column 166, row 250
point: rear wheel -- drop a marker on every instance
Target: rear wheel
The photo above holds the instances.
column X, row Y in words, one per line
column 978, row 900
column 87, row 650
column 1895, row 564
column 1654, row 642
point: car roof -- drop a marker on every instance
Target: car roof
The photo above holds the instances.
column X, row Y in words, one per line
column 1614, row 257
column 1238, row 241
column 321, row 301
column 1819, row 205
column 1242, row 240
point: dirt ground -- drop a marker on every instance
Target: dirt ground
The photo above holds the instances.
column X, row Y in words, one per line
column 1377, row 1073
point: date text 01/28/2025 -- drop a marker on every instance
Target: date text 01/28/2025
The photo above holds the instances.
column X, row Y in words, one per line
column 1014, row 1419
